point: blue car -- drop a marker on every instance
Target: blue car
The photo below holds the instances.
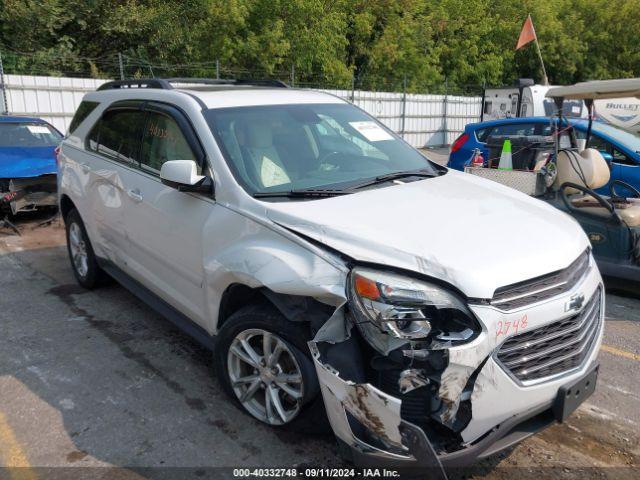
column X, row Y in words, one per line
column 620, row 148
column 27, row 163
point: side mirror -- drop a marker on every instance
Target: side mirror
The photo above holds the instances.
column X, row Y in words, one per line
column 183, row 175
column 607, row 156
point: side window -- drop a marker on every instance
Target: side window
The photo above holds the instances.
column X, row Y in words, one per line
column 483, row 133
column 599, row 144
column 515, row 129
column 82, row 112
column 604, row 146
column 621, row 158
column 162, row 141
column 546, row 129
column 117, row 135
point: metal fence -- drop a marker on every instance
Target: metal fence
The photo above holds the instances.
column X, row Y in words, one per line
column 424, row 120
column 53, row 99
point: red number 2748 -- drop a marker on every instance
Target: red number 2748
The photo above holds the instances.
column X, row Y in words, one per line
column 506, row 327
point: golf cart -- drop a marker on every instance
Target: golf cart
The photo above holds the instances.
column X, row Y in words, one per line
column 571, row 174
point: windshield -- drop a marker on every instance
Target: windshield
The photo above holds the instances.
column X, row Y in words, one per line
column 629, row 140
column 570, row 108
column 28, row 135
column 290, row 147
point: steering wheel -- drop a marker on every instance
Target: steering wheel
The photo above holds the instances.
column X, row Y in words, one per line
column 625, row 185
column 326, row 156
column 603, row 203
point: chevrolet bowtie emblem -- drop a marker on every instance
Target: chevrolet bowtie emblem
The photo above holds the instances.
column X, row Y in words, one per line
column 575, row 303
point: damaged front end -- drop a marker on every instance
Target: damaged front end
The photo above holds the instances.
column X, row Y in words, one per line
column 397, row 365
column 27, row 194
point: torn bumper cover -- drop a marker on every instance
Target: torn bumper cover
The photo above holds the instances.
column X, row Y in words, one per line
column 353, row 407
column 26, row 194
column 350, row 405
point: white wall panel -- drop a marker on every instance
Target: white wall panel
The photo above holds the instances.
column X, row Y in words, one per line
column 55, row 99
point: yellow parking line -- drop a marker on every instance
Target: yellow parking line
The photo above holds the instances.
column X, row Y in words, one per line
column 621, row 353
column 12, row 454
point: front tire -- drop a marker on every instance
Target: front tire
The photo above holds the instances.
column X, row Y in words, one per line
column 83, row 260
column 260, row 363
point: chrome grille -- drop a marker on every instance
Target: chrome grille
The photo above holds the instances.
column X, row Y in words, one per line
column 554, row 348
column 541, row 288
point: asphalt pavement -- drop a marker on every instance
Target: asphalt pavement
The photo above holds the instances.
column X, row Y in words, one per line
column 96, row 379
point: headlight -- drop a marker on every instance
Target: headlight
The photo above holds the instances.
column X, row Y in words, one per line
column 408, row 309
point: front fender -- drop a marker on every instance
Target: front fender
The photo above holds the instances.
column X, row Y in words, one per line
column 259, row 254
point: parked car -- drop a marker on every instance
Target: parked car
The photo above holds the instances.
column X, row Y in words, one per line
column 620, row 148
column 329, row 262
column 27, row 163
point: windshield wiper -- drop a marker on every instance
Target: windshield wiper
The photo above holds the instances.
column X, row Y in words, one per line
column 303, row 193
column 395, row 176
column 333, row 192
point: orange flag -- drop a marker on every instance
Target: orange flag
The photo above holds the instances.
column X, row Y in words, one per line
column 528, row 33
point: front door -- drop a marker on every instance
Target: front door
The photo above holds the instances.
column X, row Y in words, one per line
column 626, row 169
column 164, row 225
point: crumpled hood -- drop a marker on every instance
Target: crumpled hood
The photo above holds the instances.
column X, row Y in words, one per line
column 473, row 233
column 26, row 162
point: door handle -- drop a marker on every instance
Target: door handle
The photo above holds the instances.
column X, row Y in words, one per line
column 85, row 167
column 135, row 195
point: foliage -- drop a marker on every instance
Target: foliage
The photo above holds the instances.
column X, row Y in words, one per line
column 382, row 44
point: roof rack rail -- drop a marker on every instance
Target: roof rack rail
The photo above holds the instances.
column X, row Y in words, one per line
column 137, row 83
column 230, row 81
column 165, row 83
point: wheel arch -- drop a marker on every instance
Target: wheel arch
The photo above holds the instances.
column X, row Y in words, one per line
column 66, row 205
column 295, row 308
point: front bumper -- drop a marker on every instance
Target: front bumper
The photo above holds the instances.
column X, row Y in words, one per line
column 504, row 410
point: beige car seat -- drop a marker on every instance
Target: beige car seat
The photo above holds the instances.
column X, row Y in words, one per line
column 256, row 138
column 590, row 169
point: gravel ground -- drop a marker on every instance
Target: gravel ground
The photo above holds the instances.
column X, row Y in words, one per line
column 97, row 379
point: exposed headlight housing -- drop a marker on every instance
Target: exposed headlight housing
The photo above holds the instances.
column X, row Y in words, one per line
column 407, row 309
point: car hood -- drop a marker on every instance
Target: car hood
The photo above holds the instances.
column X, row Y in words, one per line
column 470, row 232
column 26, row 162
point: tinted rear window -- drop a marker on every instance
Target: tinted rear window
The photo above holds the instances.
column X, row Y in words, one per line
column 82, row 112
column 482, row 134
column 28, row 135
column 117, row 135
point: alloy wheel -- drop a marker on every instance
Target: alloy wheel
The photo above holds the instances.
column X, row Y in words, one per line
column 265, row 376
column 78, row 249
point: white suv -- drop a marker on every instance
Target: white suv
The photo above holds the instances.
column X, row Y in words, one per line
column 435, row 316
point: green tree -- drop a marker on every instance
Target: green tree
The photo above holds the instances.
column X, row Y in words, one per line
column 385, row 44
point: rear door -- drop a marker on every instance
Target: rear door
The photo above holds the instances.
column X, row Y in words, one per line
column 113, row 147
column 165, row 226
column 500, row 103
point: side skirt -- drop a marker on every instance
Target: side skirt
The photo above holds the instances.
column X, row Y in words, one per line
column 180, row 320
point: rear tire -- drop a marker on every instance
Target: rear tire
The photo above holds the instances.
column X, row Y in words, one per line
column 83, row 260
column 281, row 391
